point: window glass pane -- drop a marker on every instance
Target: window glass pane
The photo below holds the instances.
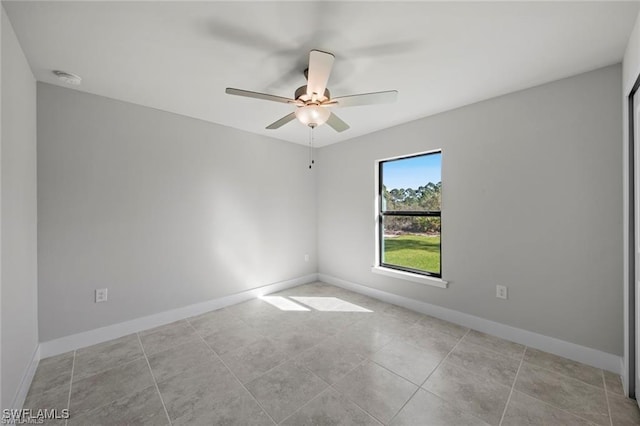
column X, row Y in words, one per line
column 412, row 242
column 412, row 183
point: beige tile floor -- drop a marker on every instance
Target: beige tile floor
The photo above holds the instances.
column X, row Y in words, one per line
column 317, row 354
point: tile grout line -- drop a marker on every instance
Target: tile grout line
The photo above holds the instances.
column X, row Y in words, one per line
column 263, row 336
column 562, row 374
column 330, row 388
column 536, row 365
column 309, row 401
column 268, row 339
column 392, row 372
column 232, row 373
column 73, row 365
column 358, row 405
column 155, row 382
column 448, row 403
column 430, row 374
column 606, row 395
column 558, row 408
column 515, row 379
column 84, row 414
column 445, row 358
column 548, row 403
column 493, row 351
column 295, row 358
column 555, row 407
column 360, row 364
column 406, row 402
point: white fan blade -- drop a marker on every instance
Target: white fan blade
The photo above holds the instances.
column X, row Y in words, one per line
column 257, row 95
column 366, row 99
column 320, row 64
column 284, row 120
column 336, row 123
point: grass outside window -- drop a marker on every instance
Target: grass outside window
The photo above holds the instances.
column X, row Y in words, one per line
column 418, row 252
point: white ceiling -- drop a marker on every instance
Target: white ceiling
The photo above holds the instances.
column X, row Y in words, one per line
column 180, row 56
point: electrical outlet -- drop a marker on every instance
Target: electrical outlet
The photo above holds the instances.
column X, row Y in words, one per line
column 501, row 292
column 306, row 257
column 101, row 295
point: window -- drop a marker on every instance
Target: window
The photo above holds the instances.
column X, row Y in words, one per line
column 409, row 232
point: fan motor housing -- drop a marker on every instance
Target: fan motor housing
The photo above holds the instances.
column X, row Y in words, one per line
column 301, row 94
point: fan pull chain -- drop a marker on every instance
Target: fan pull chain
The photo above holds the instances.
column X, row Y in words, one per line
column 311, row 134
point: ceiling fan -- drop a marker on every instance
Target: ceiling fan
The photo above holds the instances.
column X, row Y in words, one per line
column 313, row 100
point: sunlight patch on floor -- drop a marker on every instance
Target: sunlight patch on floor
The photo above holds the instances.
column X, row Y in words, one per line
column 315, row 303
column 329, row 304
column 284, row 304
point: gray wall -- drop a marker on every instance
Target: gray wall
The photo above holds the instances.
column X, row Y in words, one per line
column 163, row 210
column 532, row 199
column 18, row 215
column 631, row 62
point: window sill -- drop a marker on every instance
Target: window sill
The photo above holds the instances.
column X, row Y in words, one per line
column 417, row 278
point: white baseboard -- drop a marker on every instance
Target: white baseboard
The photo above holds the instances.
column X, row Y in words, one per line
column 110, row 332
column 583, row 354
column 624, row 374
column 25, row 383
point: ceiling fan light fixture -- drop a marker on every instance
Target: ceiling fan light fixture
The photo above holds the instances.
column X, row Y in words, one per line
column 312, row 108
column 312, row 115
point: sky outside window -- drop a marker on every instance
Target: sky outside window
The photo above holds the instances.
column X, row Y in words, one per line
column 412, row 172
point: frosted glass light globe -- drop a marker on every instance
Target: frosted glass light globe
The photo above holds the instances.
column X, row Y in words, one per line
column 313, row 115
